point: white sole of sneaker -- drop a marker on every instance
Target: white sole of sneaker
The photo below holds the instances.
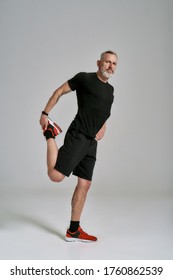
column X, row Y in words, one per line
column 56, row 127
column 71, row 239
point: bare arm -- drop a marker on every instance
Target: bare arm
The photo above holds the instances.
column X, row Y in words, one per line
column 52, row 101
column 101, row 132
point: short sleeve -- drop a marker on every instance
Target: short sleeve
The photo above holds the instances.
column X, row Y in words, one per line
column 76, row 81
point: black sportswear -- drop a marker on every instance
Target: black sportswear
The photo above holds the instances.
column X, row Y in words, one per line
column 95, row 99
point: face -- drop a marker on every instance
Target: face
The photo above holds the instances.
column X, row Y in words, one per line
column 107, row 65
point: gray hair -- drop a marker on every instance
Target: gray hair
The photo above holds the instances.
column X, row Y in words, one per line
column 110, row 52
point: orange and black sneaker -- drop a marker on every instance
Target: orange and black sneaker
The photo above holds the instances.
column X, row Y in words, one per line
column 53, row 128
column 79, row 236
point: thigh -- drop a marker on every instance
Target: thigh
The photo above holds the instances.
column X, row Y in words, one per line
column 85, row 167
column 72, row 152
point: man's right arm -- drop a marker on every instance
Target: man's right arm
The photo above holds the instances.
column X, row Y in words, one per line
column 65, row 88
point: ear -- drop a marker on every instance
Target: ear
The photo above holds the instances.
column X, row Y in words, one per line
column 98, row 63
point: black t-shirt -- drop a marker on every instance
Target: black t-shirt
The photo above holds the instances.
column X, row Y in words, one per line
column 94, row 99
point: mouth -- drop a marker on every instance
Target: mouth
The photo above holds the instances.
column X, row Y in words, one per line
column 110, row 71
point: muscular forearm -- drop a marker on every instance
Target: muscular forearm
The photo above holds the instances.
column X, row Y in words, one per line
column 56, row 96
column 51, row 103
column 53, row 100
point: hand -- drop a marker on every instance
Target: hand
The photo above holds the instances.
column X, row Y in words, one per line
column 44, row 122
column 100, row 133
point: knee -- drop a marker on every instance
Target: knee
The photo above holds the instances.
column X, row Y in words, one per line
column 87, row 185
column 57, row 178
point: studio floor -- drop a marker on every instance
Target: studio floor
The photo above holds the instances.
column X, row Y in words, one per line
column 33, row 226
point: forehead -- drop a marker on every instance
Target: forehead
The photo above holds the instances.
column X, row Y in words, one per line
column 110, row 57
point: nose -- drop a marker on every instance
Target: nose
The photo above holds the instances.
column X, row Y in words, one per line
column 111, row 66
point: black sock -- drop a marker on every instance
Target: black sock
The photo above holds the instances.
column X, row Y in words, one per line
column 74, row 226
column 48, row 134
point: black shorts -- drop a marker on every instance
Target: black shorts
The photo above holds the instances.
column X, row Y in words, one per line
column 77, row 155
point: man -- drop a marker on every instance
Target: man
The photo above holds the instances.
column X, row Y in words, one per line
column 78, row 153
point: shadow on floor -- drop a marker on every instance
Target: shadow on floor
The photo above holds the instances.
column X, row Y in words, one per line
column 13, row 218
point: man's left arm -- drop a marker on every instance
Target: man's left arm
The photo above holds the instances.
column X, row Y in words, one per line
column 101, row 132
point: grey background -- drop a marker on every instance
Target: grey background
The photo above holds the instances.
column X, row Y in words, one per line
column 46, row 42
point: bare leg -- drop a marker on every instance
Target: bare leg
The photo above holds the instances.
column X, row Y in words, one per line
column 79, row 197
column 52, row 154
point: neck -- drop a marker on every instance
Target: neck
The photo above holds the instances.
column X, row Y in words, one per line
column 101, row 77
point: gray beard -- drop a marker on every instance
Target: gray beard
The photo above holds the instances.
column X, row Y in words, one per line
column 106, row 74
